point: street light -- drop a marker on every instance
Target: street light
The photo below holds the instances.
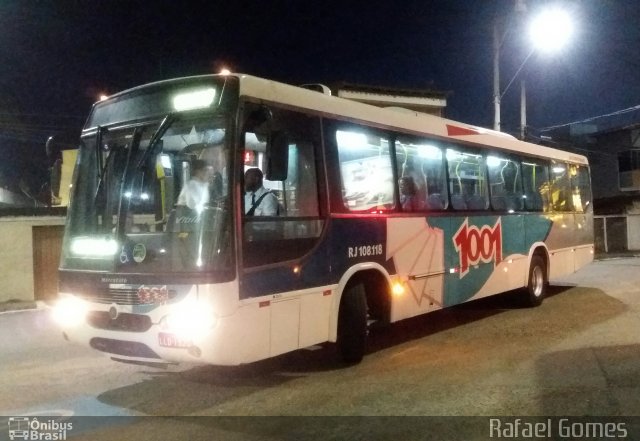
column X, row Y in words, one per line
column 548, row 31
column 551, row 30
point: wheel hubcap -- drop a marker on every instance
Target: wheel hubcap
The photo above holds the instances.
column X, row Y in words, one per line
column 537, row 281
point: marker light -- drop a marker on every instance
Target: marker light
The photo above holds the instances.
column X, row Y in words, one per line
column 397, row 289
column 197, row 99
column 94, row 246
column 69, row 311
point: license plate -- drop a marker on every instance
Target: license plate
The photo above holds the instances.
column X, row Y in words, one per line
column 173, row 341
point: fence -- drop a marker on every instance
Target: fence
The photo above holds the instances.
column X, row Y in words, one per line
column 616, row 233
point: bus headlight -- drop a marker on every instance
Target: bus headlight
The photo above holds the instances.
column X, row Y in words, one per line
column 189, row 321
column 70, row 311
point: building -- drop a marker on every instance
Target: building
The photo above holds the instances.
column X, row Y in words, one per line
column 612, row 144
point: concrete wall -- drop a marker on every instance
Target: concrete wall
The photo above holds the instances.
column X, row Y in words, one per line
column 16, row 255
column 633, row 232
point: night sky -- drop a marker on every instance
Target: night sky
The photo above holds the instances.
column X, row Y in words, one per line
column 57, row 56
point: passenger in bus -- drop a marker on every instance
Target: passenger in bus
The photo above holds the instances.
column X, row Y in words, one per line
column 258, row 201
column 409, row 199
column 195, row 193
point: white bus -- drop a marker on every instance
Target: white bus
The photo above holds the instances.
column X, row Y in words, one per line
column 382, row 215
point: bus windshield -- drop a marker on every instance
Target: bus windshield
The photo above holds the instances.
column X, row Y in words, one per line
column 152, row 197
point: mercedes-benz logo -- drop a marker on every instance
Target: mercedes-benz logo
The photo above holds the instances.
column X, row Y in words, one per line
column 113, row 313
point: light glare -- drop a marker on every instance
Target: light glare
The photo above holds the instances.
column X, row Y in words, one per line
column 429, row 152
column 69, row 311
column 551, row 30
column 351, row 139
column 493, row 161
column 197, row 99
column 190, row 320
column 94, row 246
column 398, row 289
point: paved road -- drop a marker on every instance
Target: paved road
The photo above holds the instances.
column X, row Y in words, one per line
column 577, row 354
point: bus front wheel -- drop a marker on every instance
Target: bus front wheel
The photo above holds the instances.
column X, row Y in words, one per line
column 537, row 282
column 352, row 324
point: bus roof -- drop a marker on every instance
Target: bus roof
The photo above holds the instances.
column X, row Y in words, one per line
column 408, row 120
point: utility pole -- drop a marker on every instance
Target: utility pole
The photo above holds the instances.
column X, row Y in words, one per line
column 496, row 76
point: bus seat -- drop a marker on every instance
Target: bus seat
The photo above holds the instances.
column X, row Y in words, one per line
column 499, row 203
column 434, row 202
column 458, row 202
column 533, row 201
column 476, row 202
column 514, row 202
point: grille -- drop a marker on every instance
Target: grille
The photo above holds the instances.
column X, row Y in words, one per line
column 124, row 296
column 124, row 321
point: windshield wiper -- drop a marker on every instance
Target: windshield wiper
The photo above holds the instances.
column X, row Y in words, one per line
column 155, row 138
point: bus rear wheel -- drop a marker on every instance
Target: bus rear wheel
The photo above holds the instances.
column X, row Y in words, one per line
column 352, row 324
column 537, row 282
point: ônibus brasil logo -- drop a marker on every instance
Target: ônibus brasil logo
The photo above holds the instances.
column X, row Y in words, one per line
column 32, row 429
column 475, row 245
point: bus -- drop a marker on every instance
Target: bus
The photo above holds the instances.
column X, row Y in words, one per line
column 383, row 214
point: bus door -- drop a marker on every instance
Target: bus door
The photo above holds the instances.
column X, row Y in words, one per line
column 282, row 223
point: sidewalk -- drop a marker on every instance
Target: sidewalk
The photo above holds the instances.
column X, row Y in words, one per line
column 19, row 305
column 617, row 255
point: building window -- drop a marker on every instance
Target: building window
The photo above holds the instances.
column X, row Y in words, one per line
column 629, row 170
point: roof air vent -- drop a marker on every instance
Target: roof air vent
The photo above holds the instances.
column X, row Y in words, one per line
column 317, row 88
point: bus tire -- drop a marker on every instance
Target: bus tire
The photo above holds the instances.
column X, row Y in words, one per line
column 537, row 282
column 352, row 324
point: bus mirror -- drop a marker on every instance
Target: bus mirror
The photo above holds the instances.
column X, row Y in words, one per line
column 277, row 156
column 52, row 148
column 62, row 141
column 258, row 117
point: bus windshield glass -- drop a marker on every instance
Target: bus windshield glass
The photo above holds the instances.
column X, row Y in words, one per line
column 152, row 196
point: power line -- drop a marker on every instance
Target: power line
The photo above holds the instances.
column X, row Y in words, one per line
column 617, row 113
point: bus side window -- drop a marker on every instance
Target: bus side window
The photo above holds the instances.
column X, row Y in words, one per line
column 535, row 177
column 581, row 187
column 421, row 160
column 560, row 191
column 365, row 169
column 505, row 183
column 467, row 179
column 297, row 225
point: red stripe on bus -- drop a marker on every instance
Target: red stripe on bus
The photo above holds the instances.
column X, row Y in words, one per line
column 460, row 131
